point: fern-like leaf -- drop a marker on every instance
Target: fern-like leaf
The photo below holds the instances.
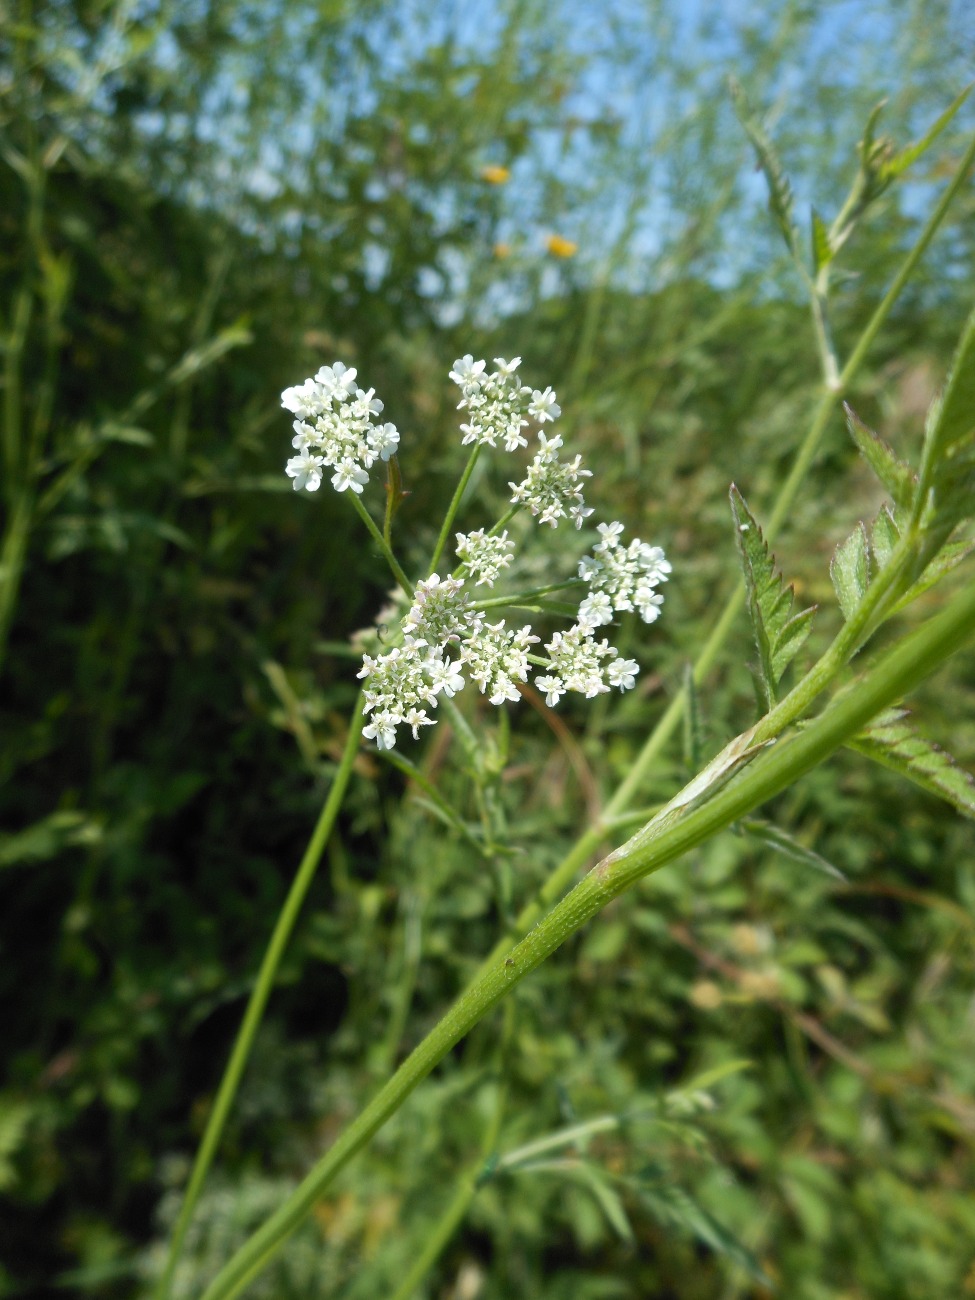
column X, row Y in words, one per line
column 781, row 202
column 779, row 634
column 891, row 741
column 897, row 477
column 903, row 159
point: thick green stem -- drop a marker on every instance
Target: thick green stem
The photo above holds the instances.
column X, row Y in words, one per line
column 661, row 842
column 261, row 992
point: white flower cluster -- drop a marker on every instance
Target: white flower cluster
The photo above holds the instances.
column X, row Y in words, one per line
column 578, row 663
column 552, row 489
column 446, row 640
column 621, row 578
column 498, row 403
column 336, row 429
column 402, row 684
column 485, row 555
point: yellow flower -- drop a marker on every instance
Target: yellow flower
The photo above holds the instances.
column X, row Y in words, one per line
column 495, row 175
column 502, row 250
column 560, row 247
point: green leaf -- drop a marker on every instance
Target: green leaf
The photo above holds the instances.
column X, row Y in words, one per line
column 904, row 158
column 884, row 536
column 779, row 634
column 953, row 498
column 48, row 838
column 781, row 202
column 708, row 1078
column 850, row 570
column 951, row 418
column 822, row 249
column 673, row 1207
column 785, row 843
column 892, row 742
column 607, row 1198
column 948, row 558
column 128, row 433
column 897, row 477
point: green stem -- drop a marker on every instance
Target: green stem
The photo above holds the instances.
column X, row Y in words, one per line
column 651, row 848
column 13, row 555
column 261, row 992
column 383, row 545
column 454, row 506
column 470, row 1181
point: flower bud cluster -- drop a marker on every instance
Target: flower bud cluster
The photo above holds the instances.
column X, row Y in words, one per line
column 336, row 429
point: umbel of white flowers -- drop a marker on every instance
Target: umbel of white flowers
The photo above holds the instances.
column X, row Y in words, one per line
column 445, row 638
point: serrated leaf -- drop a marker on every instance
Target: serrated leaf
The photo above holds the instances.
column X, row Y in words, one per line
column 781, row 202
column 787, row 844
column 903, row 159
column 896, row 476
column 947, row 559
column 791, row 639
column 822, row 249
column 953, row 494
column 884, row 536
column 892, row 742
column 850, row 570
column 778, row 632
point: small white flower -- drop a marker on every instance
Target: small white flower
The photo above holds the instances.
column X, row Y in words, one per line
column 382, row 729
column 385, row 440
column 611, row 534
column 349, row 475
column 444, row 676
column 417, row 718
column 305, row 401
column 507, row 367
column 306, row 470
column 543, row 406
column 553, row 687
column 466, row 370
column 621, row 673
column 596, row 610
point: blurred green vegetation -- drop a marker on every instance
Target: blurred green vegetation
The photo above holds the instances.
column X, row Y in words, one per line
column 200, row 203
